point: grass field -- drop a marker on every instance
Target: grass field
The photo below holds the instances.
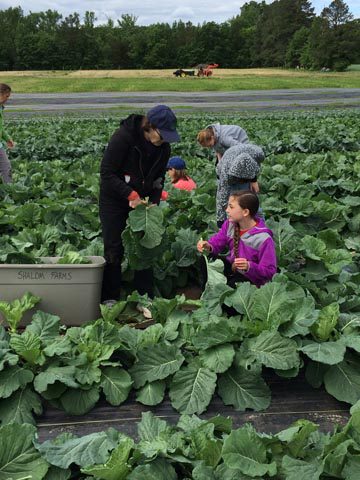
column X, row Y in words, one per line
column 163, row 80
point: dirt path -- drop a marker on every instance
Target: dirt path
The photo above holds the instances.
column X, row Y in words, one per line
column 246, row 100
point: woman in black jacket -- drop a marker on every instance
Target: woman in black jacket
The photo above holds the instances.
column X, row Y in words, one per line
column 133, row 167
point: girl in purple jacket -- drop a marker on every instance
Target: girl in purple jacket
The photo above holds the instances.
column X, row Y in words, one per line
column 251, row 247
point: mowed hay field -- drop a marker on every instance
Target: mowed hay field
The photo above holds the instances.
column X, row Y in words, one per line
column 164, row 80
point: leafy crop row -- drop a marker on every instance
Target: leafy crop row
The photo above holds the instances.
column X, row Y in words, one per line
column 190, row 355
column 193, row 449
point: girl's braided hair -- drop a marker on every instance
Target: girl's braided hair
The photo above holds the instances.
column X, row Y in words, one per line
column 250, row 201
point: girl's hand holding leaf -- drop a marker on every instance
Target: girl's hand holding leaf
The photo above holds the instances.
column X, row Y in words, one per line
column 203, row 245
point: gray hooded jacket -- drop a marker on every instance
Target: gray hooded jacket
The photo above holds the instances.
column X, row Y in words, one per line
column 227, row 136
column 239, row 165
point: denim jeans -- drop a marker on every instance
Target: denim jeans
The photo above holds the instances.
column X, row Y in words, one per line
column 5, row 167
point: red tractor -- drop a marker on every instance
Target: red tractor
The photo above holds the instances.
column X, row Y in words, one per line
column 206, row 69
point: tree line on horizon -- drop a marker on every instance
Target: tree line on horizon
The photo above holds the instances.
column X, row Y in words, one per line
column 284, row 33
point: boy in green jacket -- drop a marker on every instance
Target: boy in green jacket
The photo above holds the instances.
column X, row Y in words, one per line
column 5, row 139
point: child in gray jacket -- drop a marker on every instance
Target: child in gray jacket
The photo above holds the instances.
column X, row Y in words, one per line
column 239, row 166
column 221, row 137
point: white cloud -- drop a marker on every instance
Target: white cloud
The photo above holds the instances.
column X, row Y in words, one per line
column 183, row 13
column 148, row 11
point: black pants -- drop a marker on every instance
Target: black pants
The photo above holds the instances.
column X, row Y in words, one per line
column 113, row 222
column 232, row 277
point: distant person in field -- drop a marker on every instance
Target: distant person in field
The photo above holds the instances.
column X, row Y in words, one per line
column 133, row 167
column 5, row 139
column 252, row 255
column 176, row 170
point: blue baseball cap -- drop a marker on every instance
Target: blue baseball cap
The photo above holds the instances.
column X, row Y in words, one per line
column 176, row 162
column 164, row 119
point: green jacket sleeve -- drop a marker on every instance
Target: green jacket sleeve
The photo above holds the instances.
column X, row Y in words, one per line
column 3, row 134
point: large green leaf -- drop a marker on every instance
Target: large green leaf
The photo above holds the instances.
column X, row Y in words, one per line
column 6, row 356
column 184, row 247
column 243, row 389
column 13, row 378
column 216, row 333
column 352, row 467
column 58, row 347
column 216, row 288
column 285, row 237
column 28, row 346
column 342, row 381
column 56, row 473
column 83, row 451
column 116, row 384
column 335, row 459
column 215, row 272
column 329, row 353
column 156, row 362
column 224, row 473
column 159, row 469
column 19, row 407
column 242, row 299
column 151, row 427
column 18, row 457
column 335, row 260
column 45, row 326
column 271, row 304
column 150, row 221
column 116, row 468
column 218, row 358
column 315, row 373
column 203, row 472
column 314, row 248
column 151, row 393
column 51, row 375
column 206, row 447
column 273, row 350
column 89, row 372
column 245, row 451
column 192, row 388
column 78, row 401
column 295, row 469
column 352, row 341
column 304, row 316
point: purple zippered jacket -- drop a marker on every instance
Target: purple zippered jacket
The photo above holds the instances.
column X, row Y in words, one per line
column 256, row 245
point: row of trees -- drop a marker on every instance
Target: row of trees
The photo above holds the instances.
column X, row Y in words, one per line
column 283, row 33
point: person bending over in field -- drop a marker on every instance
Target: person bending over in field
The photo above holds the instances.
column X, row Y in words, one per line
column 238, row 170
column 222, row 137
column 250, row 242
column 176, row 169
column 133, row 167
column 5, row 139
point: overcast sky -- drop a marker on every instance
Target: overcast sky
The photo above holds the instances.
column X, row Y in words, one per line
column 153, row 11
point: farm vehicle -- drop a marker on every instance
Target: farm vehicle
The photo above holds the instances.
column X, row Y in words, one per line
column 203, row 70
